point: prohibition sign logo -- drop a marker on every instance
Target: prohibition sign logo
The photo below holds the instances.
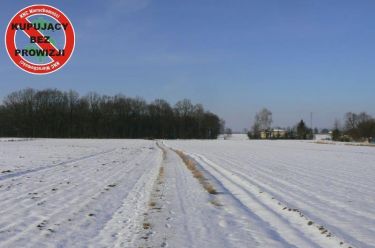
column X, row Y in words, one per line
column 35, row 27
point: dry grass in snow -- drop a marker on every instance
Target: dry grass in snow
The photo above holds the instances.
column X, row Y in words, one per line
column 191, row 165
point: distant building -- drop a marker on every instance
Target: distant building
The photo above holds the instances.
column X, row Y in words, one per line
column 265, row 134
column 278, row 133
column 273, row 134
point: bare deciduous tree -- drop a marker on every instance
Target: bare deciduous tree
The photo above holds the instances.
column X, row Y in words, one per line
column 263, row 120
column 55, row 114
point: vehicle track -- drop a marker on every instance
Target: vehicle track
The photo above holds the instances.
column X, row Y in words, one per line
column 188, row 216
column 290, row 225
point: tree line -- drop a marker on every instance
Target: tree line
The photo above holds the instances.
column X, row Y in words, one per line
column 52, row 113
column 261, row 129
column 357, row 127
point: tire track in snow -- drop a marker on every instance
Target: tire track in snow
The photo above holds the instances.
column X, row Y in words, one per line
column 285, row 164
column 123, row 227
column 292, row 227
column 150, row 236
column 189, row 219
column 313, row 199
column 319, row 207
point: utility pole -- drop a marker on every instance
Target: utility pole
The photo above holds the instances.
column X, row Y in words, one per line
column 311, row 124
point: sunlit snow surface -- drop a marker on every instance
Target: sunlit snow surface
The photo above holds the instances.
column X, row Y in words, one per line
column 98, row 193
column 62, row 193
column 333, row 185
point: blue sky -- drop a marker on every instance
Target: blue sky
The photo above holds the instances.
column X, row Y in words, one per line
column 235, row 57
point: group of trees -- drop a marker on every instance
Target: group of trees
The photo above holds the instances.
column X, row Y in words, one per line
column 53, row 113
column 302, row 131
column 357, row 127
column 263, row 121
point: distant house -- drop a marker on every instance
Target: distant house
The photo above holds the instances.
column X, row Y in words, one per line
column 273, row 134
column 265, row 134
column 278, row 133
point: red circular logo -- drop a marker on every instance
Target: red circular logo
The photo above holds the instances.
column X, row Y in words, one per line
column 40, row 39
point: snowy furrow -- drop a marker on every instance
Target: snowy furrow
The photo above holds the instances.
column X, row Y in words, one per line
column 121, row 228
column 138, row 193
column 185, row 215
column 68, row 205
column 302, row 194
column 290, row 226
column 332, row 185
column 39, row 168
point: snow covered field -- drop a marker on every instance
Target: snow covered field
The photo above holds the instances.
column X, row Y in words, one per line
column 65, row 193
column 137, row 193
column 301, row 193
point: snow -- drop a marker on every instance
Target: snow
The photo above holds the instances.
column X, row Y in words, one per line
column 235, row 136
column 187, row 218
column 63, row 193
column 322, row 137
column 332, row 186
column 139, row 193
